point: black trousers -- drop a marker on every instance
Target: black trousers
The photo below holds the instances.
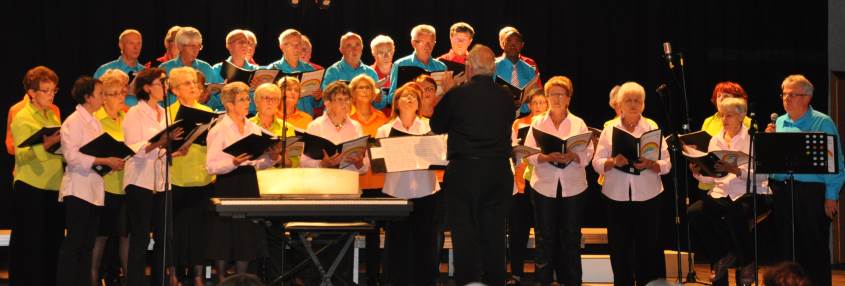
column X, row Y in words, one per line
column 478, row 204
column 82, row 220
column 38, row 226
column 812, row 228
column 190, row 209
column 633, row 233
column 558, row 236
column 146, row 211
column 520, row 221
column 410, row 245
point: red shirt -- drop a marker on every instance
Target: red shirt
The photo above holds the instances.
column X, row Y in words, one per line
column 453, row 57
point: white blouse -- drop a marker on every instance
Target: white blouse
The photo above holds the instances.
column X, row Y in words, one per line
column 731, row 185
column 226, row 133
column 145, row 169
column 323, row 127
column 79, row 180
column 546, row 177
column 621, row 186
column 409, row 184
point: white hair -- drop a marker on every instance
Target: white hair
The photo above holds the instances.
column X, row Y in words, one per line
column 380, row 40
column 188, row 35
column 422, row 28
column 799, row 81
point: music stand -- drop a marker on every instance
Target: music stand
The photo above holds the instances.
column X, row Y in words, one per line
column 795, row 153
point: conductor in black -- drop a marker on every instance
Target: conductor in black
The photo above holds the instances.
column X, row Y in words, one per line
column 477, row 117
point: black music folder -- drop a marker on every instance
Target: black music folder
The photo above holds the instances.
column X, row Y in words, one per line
column 232, row 73
column 38, row 138
column 699, row 139
column 455, row 67
column 707, row 161
column 549, row 143
column 105, row 146
column 253, row 144
column 648, row 146
column 406, row 74
column 519, row 94
column 521, row 133
column 314, row 146
column 195, row 121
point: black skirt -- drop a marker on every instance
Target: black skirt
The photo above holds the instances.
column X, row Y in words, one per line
column 236, row 239
column 190, row 208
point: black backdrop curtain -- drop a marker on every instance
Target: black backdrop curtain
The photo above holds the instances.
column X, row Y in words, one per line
column 596, row 43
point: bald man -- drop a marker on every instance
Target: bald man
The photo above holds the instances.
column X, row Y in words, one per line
column 477, row 117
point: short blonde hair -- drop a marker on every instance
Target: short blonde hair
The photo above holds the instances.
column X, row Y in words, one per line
column 630, row 88
column 350, row 35
column 287, row 34
column 733, row 104
column 181, row 74
column 380, row 40
column 188, row 35
column 267, row 90
column 798, row 80
column 236, row 32
column 114, row 78
column 171, row 34
column 230, row 91
column 127, row 32
column 362, row 79
column 422, row 28
column 560, row 81
column 612, row 97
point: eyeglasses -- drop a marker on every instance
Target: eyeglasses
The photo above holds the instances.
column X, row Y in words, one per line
column 785, row 95
column 116, row 93
column 364, row 87
column 341, row 99
column 270, row 99
column 54, row 91
column 243, row 43
column 191, row 82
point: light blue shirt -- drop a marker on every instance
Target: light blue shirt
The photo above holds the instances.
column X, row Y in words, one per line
column 214, row 99
column 305, row 104
column 814, row 121
column 434, row 65
column 200, row 65
column 131, row 100
column 341, row 70
column 524, row 72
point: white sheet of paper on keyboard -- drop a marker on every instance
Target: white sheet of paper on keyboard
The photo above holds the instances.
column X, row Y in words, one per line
column 409, row 153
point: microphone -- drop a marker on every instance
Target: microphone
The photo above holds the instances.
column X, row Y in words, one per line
column 773, row 117
column 667, row 54
column 661, row 90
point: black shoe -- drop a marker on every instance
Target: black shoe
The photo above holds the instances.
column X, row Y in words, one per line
column 721, row 267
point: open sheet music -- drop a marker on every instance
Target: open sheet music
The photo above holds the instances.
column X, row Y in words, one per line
column 707, row 161
column 408, row 153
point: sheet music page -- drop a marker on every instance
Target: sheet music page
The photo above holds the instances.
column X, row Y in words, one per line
column 438, row 77
column 650, row 145
column 311, row 82
column 262, row 76
column 358, row 146
column 408, row 153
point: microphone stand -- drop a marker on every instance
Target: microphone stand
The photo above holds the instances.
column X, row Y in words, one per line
column 674, row 147
column 751, row 187
column 284, row 121
column 685, row 127
column 167, row 195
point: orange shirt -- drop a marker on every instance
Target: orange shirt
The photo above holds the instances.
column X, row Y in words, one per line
column 370, row 127
column 10, row 143
column 298, row 119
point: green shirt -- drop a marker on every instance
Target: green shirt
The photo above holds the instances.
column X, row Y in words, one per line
column 114, row 179
column 34, row 165
column 189, row 170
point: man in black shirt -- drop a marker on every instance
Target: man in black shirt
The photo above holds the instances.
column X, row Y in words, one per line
column 477, row 116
